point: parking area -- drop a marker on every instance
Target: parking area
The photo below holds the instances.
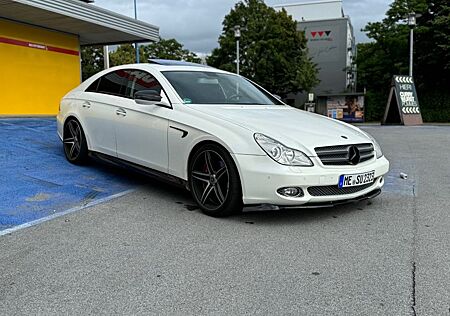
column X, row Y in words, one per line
column 37, row 182
column 143, row 248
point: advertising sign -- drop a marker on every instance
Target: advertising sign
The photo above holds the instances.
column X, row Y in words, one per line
column 348, row 108
column 406, row 109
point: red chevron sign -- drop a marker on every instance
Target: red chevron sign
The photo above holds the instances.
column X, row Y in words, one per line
column 320, row 35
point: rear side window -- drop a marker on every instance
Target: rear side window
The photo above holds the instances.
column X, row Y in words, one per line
column 125, row 83
column 93, row 86
column 111, row 83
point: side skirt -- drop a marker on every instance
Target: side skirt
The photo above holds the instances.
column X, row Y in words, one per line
column 139, row 169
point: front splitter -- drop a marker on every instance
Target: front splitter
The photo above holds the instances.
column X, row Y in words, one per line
column 366, row 196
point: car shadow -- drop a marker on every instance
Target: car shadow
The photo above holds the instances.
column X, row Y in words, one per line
column 250, row 215
column 290, row 216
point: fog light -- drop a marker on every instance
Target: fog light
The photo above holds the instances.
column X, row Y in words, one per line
column 290, row 192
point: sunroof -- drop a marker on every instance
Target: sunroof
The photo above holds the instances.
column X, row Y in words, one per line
column 168, row 62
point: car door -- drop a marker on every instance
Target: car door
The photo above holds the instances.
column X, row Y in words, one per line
column 141, row 130
column 99, row 112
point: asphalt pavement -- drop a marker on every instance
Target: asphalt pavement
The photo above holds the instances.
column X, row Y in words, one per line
column 152, row 252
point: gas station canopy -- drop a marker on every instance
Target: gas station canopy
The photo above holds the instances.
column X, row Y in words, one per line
column 92, row 24
column 40, row 49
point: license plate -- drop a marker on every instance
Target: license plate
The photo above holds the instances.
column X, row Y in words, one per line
column 354, row 180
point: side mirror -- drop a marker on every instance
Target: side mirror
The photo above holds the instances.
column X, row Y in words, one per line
column 147, row 97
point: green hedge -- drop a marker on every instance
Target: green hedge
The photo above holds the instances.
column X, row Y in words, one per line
column 435, row 105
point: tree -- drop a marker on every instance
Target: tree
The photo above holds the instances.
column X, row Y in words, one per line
column 169, row 49
column 124, row 54
column 91, row 60
column 389, row 54
column 272, row 51
column 307, row 74
column 163, row 49
column 92, row 56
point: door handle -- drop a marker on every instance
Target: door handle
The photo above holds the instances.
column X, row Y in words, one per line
column 86, row 104
column 121, row 112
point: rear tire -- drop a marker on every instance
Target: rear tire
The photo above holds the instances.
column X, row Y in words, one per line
column 214, row 181
column 74, row 142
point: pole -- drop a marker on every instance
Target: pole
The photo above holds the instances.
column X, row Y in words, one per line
column 411, row 39
column 136, row 45
column 237, row 56
column 106, row 56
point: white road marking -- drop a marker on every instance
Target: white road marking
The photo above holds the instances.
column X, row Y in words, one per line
column 59, row 214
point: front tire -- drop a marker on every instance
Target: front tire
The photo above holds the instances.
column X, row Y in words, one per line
column 74, row 142
column 214, row 181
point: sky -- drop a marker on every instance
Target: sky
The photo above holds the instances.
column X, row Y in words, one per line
column 197, row 24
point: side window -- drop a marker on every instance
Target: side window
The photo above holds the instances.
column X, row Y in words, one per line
column 93, row 86
column 138, row 80
column 111, row 83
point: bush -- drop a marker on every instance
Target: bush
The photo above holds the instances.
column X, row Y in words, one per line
column 435, row 105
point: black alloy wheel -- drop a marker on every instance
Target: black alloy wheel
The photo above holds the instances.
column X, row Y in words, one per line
column 214, row 181
column 75, row 147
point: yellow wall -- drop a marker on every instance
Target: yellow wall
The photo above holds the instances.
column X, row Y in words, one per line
column 33, row 80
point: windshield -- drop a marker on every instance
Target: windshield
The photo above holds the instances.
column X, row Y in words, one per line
column 203, row 87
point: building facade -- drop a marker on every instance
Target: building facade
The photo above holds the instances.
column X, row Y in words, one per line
column 331, row 45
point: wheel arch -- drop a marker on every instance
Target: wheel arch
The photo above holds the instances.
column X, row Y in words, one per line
column 213, row 142
column 73, row 116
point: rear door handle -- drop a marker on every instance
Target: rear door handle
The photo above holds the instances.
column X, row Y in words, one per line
column 121, row 112
column 86, row 104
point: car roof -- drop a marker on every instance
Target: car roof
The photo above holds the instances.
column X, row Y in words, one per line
column 168, row 62
column 166, row 65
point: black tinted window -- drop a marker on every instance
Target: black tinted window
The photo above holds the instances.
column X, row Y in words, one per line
column 137, row 80
column 111, row 83
column 93, row 86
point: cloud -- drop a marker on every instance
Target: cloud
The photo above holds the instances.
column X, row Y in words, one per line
column 362, row 12
column 198, row 23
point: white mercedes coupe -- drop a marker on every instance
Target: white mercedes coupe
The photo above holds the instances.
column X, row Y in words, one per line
column 225, row 138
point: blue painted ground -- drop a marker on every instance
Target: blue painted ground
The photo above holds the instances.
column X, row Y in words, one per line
column 37, row 181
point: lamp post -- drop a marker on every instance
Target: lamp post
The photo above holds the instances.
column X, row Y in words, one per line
column 136, row 45
column 106, row 57
column 412, row 23
column 237, row 35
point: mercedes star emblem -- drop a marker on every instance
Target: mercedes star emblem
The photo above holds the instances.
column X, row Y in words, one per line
column 353, row 155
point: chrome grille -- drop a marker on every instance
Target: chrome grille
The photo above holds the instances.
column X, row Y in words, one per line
column 335, row 190
column 339, row 155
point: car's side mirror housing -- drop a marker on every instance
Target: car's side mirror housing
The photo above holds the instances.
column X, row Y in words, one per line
column 147, row 97
column 150, row 97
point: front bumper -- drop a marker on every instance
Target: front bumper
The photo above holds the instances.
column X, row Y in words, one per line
column 261, row 177
column 367, row 196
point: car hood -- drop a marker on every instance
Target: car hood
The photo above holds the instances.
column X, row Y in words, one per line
column 293, row 127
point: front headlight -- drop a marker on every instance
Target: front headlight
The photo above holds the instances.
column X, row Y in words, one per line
column 376, row 146
column 282, row 154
